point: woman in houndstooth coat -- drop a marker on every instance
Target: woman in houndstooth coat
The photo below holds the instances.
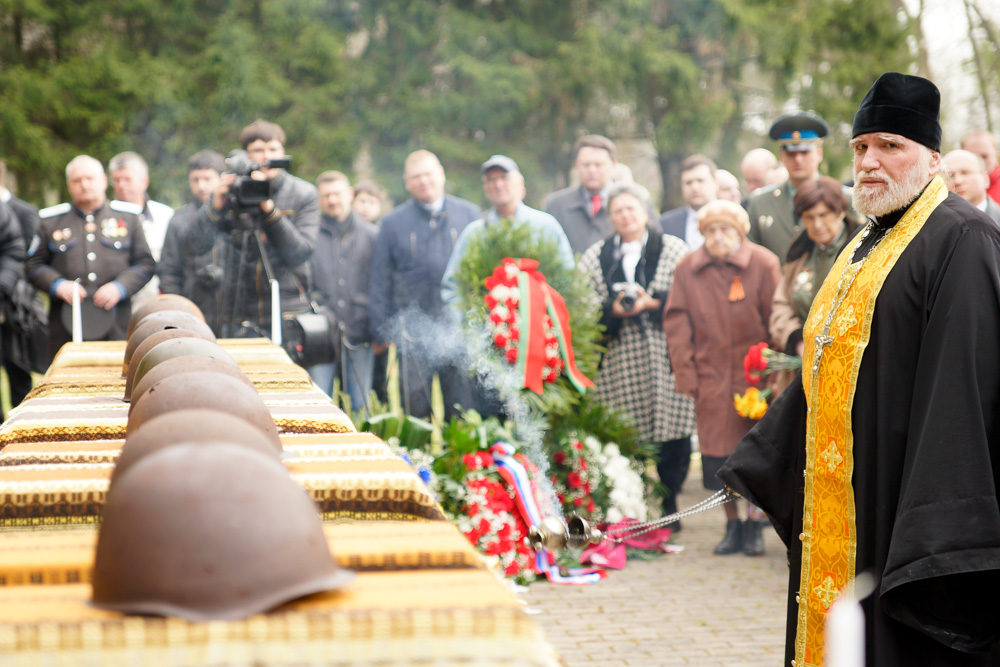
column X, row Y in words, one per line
column 635, row 375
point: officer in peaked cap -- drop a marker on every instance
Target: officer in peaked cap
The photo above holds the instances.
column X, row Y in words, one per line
column 95, row 247
column 798, row 133
column 800, row 141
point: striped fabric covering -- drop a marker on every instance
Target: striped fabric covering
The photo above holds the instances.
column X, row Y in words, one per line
column 422, row 596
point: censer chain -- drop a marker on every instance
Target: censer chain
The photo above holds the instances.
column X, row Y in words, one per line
column 717, row 499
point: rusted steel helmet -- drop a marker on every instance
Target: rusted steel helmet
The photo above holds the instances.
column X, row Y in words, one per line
column 162, row 302
column 209, row 532
column 183, row 364
column 147, row 345
column 177, row 347
column 162, row 320
column 196, row 425
column 203, row 389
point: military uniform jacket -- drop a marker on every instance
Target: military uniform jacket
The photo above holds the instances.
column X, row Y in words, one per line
column 107, row 245
column 772, row 221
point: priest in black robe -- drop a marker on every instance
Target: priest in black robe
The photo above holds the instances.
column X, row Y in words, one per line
column 923, row 419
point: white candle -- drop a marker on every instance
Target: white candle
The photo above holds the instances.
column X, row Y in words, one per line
column 77, row 322
column 275, row 313
column 845, row 634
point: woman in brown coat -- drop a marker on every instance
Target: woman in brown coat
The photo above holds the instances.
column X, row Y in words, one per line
column 719, row 306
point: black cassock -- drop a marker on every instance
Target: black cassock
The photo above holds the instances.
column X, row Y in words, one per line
column 926, row 425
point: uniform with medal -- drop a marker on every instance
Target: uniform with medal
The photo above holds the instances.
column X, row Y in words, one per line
column 105, row 246
column 773, row 223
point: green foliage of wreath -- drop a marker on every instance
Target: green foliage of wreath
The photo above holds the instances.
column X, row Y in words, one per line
column 484, row 252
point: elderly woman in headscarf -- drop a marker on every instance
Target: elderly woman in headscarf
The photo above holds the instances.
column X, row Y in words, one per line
column 718, row 308
column 632, row 272
column 821, row 206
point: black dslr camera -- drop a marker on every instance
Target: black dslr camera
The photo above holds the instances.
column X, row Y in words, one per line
column 630, row 294
column 246, row 194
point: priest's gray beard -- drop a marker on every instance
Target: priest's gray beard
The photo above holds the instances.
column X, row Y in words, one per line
column 894, row 195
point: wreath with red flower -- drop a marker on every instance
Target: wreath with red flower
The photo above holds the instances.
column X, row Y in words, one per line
column 577, row 480
column 490, row 520
column 506, row 286
column 486, row 258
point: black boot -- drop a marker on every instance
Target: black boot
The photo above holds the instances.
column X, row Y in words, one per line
column 733, row 541
column 753, row 539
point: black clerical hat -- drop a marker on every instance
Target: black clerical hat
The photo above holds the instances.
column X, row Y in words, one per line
column 902, row 104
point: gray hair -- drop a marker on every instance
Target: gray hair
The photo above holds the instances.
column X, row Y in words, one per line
column 633, row 189
column 131, row 161
column 81, row 160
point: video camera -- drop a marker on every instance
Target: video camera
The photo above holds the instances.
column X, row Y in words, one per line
column 246, row 194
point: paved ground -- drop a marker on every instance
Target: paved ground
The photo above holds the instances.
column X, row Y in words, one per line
column 690, row 608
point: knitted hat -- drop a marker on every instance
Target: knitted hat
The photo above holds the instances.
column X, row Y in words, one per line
column 721, row 210
column 902, row 104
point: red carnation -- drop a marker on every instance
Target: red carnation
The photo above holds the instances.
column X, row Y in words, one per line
column 573, row 479
column 578, row 502
column 590, row 505
column 583, row 466
column 515, row 333
column 511, row 355
column 511, row 303
column 579, row 445
column 551, row 377
column 512, row 569
column 490, row 300
column 490, row 283
column 495, row 317
column 511, row 315
column 500, row 340
column 559, row 457
column 470, row 461
column 755, row 361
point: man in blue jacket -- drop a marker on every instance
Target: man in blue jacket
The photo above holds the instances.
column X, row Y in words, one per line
column 408, row 262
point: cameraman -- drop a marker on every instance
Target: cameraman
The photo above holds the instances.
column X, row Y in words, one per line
column 288, row 222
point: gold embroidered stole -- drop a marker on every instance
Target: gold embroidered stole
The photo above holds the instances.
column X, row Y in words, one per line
column 836, row 333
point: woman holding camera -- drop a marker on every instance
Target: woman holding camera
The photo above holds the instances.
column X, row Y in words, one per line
column 718, row 308
column 632, row 272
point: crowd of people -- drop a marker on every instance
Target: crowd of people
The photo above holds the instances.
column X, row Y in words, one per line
column 684, row 293
column 730, row 268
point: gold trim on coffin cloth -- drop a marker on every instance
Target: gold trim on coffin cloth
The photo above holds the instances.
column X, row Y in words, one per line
column 259, row 351
column 836, row 333
column 367, row 490
column 440, row 617
column 47, row 558
column 264, row 383
column 298, row 445
column 53, row 425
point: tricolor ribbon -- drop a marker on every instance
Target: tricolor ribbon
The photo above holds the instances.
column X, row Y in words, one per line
column 538, row 299
column 516, row 476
